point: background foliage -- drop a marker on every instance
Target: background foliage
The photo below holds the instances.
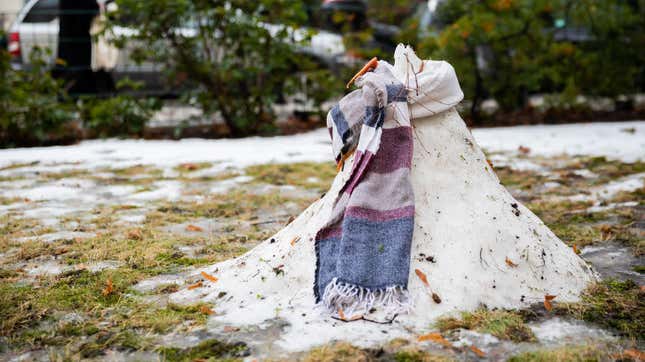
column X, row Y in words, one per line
column 509, row 49
column 232, row 57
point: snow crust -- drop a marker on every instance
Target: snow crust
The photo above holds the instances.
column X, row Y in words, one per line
column 619, row 140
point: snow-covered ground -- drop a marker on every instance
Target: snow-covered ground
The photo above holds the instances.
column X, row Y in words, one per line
column 71, row 194
column 623, row 141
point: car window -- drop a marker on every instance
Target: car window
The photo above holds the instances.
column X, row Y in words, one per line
column 44, row 11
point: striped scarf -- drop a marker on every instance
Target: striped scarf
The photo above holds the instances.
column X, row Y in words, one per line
column 363, row 252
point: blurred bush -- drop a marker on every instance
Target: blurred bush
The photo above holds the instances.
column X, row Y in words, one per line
column 233, row 57
column 117, row 116
column 33, row 105
column 35, row 108
column 509, row 49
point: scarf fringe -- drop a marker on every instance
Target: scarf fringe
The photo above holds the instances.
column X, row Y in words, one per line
column 356, row 301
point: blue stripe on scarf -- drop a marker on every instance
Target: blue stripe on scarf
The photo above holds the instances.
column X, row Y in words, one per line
column 341, row 123
column 396, row 93
column 369, row 254
column 374, row 117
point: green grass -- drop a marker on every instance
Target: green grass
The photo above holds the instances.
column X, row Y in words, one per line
column 211, row 349
column 617, row 305
column 502, row 324
column 308, row 175
column 584, row 353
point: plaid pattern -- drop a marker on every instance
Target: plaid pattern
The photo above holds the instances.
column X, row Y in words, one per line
column 363, row 254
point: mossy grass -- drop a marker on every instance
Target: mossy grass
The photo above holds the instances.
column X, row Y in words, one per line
column 613, row 304
column 310, row 175
column 114, row 318
column 211, row 349
column 580, row 353
column 397, row 350
column 521, row 180
column 507, row 325
column 608, row 168
column 573, row 224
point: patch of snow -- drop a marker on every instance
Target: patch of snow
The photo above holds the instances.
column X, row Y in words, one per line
column 607, row 191
column 585, row 173
column 60, row 235
column 469, row 338
column 163, row 190
column 151, row 284
column 132, row 218
column 559, row 331
column 611, row 206
column 226, row 185
column 102, row 265
column 47, row 268
column 593, row 139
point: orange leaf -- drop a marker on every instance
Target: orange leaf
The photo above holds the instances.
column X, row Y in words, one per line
column 549, row 297
column 341, row 315
column 195, row 286
column 510, row 263
column 230, row 329
column 134, row 234
column 547, row 302
column 422, row 276
column 477, row 351
column 195, row 228
column 209, row 277
column 635, row 354
column 109, row 288
column 575, row 249
column 435, row 337
column 524, row 150
column 204, row 309
column 189, row 166
column 295, row 240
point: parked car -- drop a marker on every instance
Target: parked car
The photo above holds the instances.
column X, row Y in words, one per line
column 37, row 25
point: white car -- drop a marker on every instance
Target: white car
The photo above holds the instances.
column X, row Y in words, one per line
column 37, row 25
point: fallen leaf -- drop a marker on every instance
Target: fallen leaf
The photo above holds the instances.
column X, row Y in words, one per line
column 490, row 163
column 134, row 234
column 477, row 351
column 510, row 263
column 435, row 337
column 547, row 302
column 436, row 298
column 195, row 286
column 422, row 276
column 209, row 277
column 189, row 166
column 204, row 309
column 635, row 354
column 109, row 288
column 524, row 150
column 230, row 329
column 295, row 240
column 341, row 315
column 195, row 228
column 575, row 249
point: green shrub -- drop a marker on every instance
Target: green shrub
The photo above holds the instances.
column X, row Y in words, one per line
column 33, row 105
column 516, row 39
column 236, row 58
column 119, row 115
